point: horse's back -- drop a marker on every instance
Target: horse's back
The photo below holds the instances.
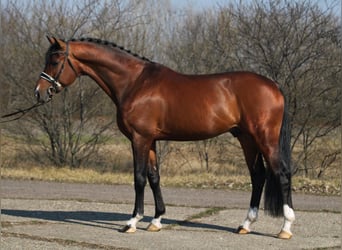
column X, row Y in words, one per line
column 239, row 93
column 190, row 107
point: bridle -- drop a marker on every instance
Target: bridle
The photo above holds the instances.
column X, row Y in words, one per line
column 56, row 86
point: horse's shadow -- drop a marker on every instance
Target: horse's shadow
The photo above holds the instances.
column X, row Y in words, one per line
column 108, row 220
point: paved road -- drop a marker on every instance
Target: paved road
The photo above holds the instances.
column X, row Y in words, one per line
column 43, row 215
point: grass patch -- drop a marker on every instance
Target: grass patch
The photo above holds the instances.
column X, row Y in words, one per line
column 207, row 213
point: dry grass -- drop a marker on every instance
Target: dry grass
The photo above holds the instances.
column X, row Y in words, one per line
column 65, row 175
column 181, row 168
column 194, row 180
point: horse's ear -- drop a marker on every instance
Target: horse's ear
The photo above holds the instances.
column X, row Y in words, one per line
column 51, row 39
column 60, row 43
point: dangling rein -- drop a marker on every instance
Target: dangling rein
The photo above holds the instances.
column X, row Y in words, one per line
column 22, row 112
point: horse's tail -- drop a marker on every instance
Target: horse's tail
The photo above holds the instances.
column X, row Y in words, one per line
column 279, row 181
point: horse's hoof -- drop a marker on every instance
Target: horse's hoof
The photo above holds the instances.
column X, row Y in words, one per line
column 153, row 228
column 242, row 230
column 284, row 235
column 127, row 229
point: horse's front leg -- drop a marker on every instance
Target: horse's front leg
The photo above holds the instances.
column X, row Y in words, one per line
column 140, row 147
column 154, row 180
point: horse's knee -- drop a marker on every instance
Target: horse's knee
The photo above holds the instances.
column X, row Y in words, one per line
column 139, row 181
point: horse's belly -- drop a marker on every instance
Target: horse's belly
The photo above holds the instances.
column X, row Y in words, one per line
column 200, row 128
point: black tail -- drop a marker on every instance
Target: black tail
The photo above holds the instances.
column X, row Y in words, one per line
column 278, row 184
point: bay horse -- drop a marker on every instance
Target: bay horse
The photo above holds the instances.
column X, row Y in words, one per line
column 156, row 103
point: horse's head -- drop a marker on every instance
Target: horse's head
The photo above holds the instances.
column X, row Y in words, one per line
column 59, row 71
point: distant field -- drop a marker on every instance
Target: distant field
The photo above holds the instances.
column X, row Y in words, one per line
column 182, row 165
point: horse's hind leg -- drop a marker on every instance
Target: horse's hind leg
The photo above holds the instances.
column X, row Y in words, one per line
column 154, row 180
column 278, row 201
column 257, row 172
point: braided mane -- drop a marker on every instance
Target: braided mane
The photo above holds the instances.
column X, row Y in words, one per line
column 107, row 43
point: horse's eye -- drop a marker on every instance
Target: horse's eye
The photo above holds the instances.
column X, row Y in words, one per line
column 54, row 63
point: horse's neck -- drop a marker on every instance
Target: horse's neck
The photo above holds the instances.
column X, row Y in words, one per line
column 115, row 72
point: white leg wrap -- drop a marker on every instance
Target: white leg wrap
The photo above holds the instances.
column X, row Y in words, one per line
column 134, row 220
column 289, row 218
column 157, row 222
column 252, row 216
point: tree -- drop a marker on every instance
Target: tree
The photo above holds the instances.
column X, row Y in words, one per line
column 295, row 44
column 67, row 130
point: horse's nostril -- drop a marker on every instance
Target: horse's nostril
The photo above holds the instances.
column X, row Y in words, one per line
column 37, row 95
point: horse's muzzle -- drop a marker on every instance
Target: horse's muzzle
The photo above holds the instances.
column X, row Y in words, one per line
column 44, row 96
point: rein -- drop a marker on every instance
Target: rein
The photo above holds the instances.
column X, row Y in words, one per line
column 20, row 111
